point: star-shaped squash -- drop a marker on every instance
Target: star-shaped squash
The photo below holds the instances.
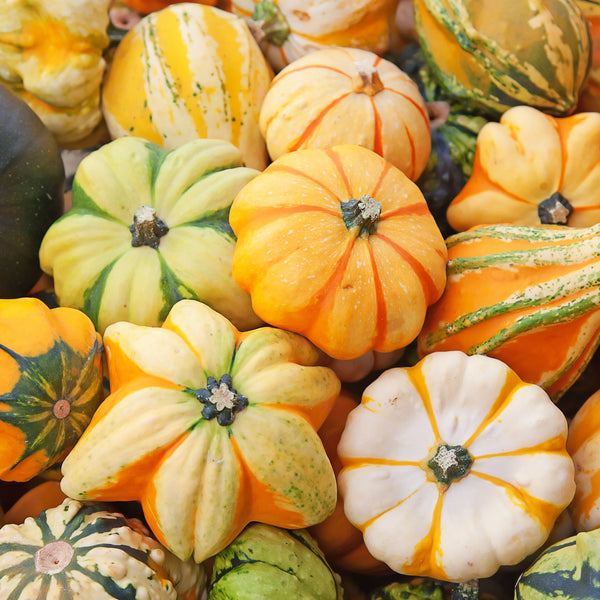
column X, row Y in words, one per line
column 209, row 428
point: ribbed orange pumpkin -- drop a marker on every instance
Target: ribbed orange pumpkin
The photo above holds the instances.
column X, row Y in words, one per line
column 347, row 96
column 339, row 245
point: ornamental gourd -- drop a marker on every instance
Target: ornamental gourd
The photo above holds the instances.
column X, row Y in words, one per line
column 347, row 96
column 229, row 422
column 32, row 178
column 188, row 71
column 515, row 292
column 147, row 227
column 354, row 256
column 530, row 169
column 271, row 563
column 583, row 442
column 568, row 570
column 91, row 551
column 496, row 55
column 289, row 29
column 51, row 55
column 50, row 384
column 454, row 467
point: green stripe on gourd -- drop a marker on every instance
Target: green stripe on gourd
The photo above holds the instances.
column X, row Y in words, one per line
column 53, row 399
column 150, row 226
column 546, row 70
column 569, row 570
column 519, row 307
column 85, row 551
column 274, row 563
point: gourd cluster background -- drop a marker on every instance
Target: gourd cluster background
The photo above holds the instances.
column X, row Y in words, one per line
column 228, row 222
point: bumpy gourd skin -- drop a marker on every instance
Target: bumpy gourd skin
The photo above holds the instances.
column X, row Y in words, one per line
column 51, row 56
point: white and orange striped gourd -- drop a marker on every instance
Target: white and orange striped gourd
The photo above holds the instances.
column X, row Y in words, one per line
column 347, row 96
column 189, row 71
column 454, row 467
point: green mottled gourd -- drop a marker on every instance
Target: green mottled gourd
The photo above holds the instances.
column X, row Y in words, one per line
column 502, row 54
column 516, row 292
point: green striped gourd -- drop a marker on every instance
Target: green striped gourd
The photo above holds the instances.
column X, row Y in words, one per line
column 148, row 227
column 567, row 570
column 189, row 71
column 527, row 295
column 502, row 54
column 272, row 563
column 78, row 551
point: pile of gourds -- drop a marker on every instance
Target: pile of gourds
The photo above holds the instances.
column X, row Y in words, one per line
column 299, row 299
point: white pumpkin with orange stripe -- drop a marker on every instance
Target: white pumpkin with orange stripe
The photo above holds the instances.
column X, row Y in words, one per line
column 347, row 96
column 454, row 467
column 185, row 72
column 289, row 29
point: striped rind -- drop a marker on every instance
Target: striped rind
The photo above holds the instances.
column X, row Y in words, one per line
column 185, row 72
column 316, row 103
column 569, row 570
column 487, row 309
column 111, row 559
column 536, row 54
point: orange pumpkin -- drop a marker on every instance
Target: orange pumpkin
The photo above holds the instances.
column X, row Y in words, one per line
column 339, row 245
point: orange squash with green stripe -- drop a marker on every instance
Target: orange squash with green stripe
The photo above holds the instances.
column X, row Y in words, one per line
column 454, row 467
column 353, row 255
column 50, row 384
column 229, row 424
column 189, row 71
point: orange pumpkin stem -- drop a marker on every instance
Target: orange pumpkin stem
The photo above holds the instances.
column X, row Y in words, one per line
column 366, row 79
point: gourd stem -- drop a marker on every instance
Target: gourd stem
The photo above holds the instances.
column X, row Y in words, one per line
column 53, row 557
column 438, row 112
column 269, row 24
column 555, row 210
column 366, row 80
column 221, row 400
column 450, row 463
column 363, row 213
column 147, row 228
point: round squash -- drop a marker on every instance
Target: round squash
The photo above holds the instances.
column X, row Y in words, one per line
column 497, row 55
column 229, row 422
column 531, row 169
column 354, row 256
column 32, row 177
column 347, row 96
column 149, row 226
column 454, row 467
column 272, row 563
column 516, row 292
column 583, row 442
column 188, row 71
column 568, row 570
column 50, row 384
column 289, row 29
column 79, row 550
column 51, row 56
